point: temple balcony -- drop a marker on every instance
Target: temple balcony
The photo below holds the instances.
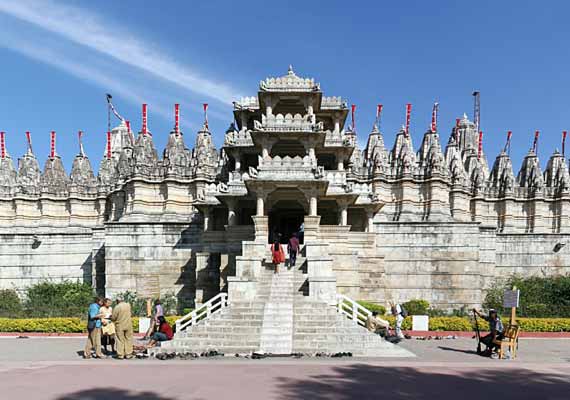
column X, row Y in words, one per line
column 248, row 102
column 240, row 138
column 339, row 139
column 286, row 168
column 288, row 123
column 333, row 103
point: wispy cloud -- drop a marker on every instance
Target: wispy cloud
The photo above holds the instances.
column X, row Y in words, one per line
column 87, row 29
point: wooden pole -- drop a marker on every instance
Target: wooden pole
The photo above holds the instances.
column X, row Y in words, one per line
column 514, row 311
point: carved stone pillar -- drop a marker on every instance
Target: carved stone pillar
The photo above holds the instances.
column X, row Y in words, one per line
column 311, row 227
column 207, row 219
column 313, row 206
column 232, row 217
column 369, row 221
column 202, row 260
column 260, row 212
column 343, row 220
column 261, row 224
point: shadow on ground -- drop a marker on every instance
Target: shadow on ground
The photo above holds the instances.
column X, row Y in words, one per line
column 111, row 393
column 372, row 382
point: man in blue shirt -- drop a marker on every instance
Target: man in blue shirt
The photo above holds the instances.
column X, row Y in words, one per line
column 94, row 329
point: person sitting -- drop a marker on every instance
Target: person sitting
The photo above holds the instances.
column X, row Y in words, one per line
column 496, row 329
column 158, row 311
column 163, row 333
column 377, row 325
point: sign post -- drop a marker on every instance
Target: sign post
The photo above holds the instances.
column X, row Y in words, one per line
column 511, row 299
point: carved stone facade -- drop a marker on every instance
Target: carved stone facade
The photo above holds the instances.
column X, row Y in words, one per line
column 380, row 223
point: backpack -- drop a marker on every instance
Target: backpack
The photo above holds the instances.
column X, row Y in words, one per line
column 404, row 312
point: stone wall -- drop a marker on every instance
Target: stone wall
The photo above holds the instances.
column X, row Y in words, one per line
column 152, row 259
column 28, row 257
column 438, row 262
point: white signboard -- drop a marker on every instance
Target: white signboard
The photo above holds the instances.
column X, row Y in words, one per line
column 144, row 324
column 420, row 323
column 511, row 298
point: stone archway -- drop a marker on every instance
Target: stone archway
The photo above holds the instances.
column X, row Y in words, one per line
column 286, row 211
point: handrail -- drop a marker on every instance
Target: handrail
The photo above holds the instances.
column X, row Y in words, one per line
column 352, row 309
column 209, row 308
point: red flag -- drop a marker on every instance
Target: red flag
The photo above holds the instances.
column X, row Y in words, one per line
column 52, row 145
column 457, row 130
column 480, row 150
column 353, row 109
column 29, row 139
column 108, row 145
column 563, row 141
column 378, row 115
column 2, row 145
column 408, row 115
column 508, row 143
column 205, row 105
column 535, row 142
column 177, row 118
column 144, row 119
column 434, row 117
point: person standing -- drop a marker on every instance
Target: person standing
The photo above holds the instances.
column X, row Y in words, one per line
column 124, row 329
column 108, row 327
column 93, row 330
column 293, row 249
column 277, row 254
column 399, row 312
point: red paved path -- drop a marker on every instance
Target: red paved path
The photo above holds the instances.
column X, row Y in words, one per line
column 286, row 380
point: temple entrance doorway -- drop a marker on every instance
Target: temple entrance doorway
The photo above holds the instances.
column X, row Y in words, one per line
column 285, row 218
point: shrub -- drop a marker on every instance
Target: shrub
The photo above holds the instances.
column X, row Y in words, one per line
column 10, row 303
column 539, row 296
column 416, row 307
column 58, row 299
column 169, row 303
column 380, row 309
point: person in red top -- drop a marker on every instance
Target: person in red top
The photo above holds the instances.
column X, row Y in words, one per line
column 163, row 333
column 277, row 254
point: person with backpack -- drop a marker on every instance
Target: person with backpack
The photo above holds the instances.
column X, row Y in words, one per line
column 400, row 313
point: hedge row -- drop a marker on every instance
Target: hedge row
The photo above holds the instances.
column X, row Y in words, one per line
column 56, row 325
column 76, row 325
column 467, row 325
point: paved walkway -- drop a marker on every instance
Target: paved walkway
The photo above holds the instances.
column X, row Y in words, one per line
column 50, row 368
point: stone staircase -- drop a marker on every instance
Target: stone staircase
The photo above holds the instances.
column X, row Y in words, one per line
column 281, row 319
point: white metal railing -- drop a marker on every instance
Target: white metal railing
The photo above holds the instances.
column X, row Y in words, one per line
column 209, row 308
column 352, row 309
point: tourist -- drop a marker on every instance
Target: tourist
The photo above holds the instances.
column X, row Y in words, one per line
column 377, row 325
column 278, row 255
column 124, row 329
column 156, row 312
column 302, row 233
column 108, row 327
column 163, row 333
column 93, row 330
column 293, row 249
column 400, row 314
column 496, row 329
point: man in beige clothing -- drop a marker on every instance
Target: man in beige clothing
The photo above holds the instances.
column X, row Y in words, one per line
column 124, row 329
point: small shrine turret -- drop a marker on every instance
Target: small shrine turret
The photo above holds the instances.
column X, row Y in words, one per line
column 29, row 171
column 82, row 177
column 54, row 180
column 8, row 175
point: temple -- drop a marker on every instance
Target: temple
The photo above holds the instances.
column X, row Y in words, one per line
column 380, row 223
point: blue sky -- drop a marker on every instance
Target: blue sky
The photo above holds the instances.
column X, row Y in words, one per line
column 58, row 59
